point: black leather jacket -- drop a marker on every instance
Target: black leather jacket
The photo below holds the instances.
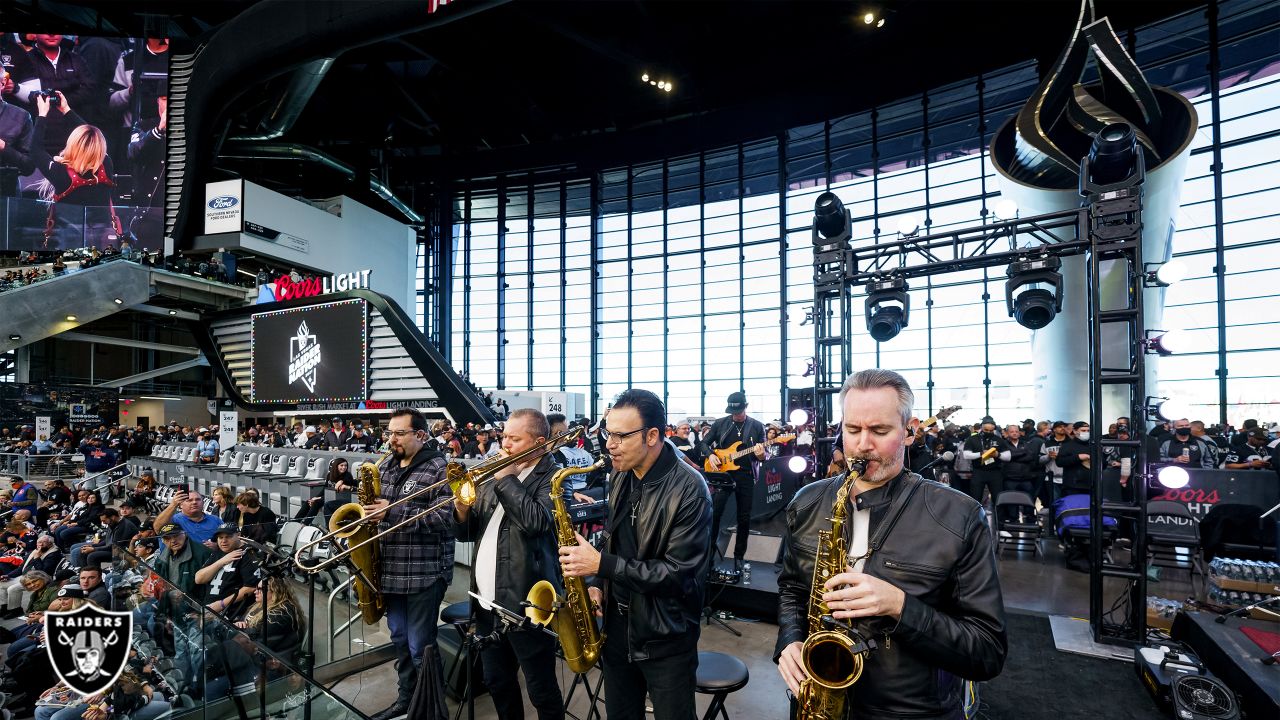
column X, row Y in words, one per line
column 526, row 541
column 940, row 553
column 666, row 578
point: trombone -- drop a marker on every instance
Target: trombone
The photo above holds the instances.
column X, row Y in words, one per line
column 463, row 484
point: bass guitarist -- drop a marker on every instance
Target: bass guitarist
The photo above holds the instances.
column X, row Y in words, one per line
column 735, row 431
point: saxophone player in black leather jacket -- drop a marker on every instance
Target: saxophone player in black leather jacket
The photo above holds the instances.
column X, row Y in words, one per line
column 922, row 579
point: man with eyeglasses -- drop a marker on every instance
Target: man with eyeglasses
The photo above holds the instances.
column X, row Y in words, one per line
column 649, row 579
column 417, row 559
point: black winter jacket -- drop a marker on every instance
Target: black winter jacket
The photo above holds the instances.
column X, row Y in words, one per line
column 527, row 549
column 940, row 554
column 667, row 577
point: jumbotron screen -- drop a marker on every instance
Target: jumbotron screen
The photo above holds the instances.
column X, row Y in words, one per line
column 85, row 132
column 310, row 354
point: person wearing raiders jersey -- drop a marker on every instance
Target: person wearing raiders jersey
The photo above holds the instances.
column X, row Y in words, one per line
column 1252, row 454
column 1184, row 449
column 229, row 577
column 584, row 488
column 361, row 441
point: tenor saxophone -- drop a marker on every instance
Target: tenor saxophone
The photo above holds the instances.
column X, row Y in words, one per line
column 573, row 616
column 830, row 656
column 348, row 522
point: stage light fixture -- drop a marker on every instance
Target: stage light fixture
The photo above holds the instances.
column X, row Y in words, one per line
column 1165, row 274
column 1173, row 477
column 1166, row 409
column 869, row 18
column 888, row 307
column 644, row 77
column 797, row 464
column 1033, row 292
column 1167, row 342
column 799, row 417
column 830, row 218
column 1005, row 209
column 1111, row 157
column 117, row 301
column 880, row 23
column 908, row 226
column 71, row 318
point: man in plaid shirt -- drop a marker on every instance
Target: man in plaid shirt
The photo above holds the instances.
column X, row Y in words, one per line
column 417, row 559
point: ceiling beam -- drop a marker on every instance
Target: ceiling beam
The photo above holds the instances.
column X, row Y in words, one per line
column 126, row 342
column 199, row 361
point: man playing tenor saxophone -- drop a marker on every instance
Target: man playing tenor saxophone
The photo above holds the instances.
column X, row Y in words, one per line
column 510, row 520
column 912, row 578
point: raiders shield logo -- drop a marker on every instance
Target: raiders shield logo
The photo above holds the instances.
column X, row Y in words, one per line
column 88, row 646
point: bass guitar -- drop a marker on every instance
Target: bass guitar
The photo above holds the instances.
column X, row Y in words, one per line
column 729, row 456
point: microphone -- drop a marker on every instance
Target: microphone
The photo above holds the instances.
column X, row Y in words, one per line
column 1242, row 611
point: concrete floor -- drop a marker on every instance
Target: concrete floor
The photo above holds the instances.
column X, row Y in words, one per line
column 1030, row 585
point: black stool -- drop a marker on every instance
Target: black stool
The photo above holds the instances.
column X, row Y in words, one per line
column 718, row 675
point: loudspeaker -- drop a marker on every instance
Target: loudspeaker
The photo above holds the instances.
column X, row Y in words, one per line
column 455, row 673
column 760, row 548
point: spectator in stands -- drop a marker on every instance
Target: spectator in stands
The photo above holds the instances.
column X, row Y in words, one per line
column 1198, row 431
column 360, row 441
column 232, row 664
column 311, row 440
column 93, row 588
column 257, row 521
column 338, row 434
column 1253, row 454
column 120, row 530
column 341, row 481
column 63, row 73
column 207, row 449
column 230, row 575
column 16, row 130
column 145, row 491
column 81, row 174
column 42, row 590
column 1184, row 449
column 25, row 495
column 224, row 505
column 192, row 519
column 45, row 558
column 80, row 521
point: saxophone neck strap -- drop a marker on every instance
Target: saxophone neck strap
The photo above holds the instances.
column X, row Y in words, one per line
column 899, row 504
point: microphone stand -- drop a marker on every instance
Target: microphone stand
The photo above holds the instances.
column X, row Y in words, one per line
column 506, row 621
column 1242, row 611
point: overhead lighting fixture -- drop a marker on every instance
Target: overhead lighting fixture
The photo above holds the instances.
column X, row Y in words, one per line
column 908, row 226
column 668, row 87
column 157, row 397
column 71, row 318
column 1005, row 209
column 887, row 309
column 1111, row 157
column 173, row 312
column 1161, row 408
column 118, row 301
column 644, row 77
column 831, row 222
column 1166, row 274
column 869, row 18
column 15, row 337
column 880, row 23
column 1033, row 292
column 1167, row 342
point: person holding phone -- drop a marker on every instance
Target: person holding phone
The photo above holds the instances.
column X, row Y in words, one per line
column 198, row 526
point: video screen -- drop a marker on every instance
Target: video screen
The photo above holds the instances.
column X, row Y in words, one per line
column 310, row 354
column 84, row 125
column 66, row 404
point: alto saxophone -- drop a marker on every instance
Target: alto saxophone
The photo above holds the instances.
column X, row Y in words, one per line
column 573, row 615
column 831, row 656
column 348, row 522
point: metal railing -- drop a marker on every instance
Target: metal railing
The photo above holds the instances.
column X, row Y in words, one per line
column 42, row 467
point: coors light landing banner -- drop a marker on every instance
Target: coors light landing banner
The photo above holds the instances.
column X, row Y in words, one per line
column 312, row 354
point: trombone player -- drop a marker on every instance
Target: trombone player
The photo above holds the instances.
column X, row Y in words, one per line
column 417, row 559
column 919, row 574
column 510, row 519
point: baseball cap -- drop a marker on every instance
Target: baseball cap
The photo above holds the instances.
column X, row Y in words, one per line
column 737, row 402
column 1059, row 423
column 1258, row 434
column 169, row 530
column 987, row 419
column 227, row 528
column 128, row 504
column 309, row 428
column 1079, row 425
column 202, row 429
column 357, row 425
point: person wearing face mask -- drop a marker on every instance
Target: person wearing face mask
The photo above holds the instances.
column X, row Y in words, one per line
column 988, row 452
column 1184, row 449
column 1074, row 458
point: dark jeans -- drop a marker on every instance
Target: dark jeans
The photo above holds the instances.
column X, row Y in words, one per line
column 743, row 493
column 534, row 652
column 412, row 621
column 984, row 480
column 670, row 681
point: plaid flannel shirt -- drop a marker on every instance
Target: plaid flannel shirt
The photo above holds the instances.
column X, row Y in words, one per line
column 420, row 553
